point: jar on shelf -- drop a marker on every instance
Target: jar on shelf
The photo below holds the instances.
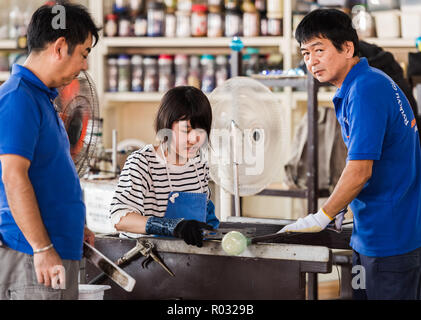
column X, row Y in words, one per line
column 140, row 26
column 253, row 63
column 111, row 26
column 156, row 19
column 136, row 6
column 260, row 5
column 275, row 7
column 170, row 25
column 199, row 23
column 112, row 74
column 137, row 73
column 184, row 5
column 194, row 72
column 183, row 28
column 215, row 6
column 221, row 71
column 251, row 22
column 208, row 73
column 124, row 25
column 120, row 6
column 231, row 4
column 263, row 24
column 150, row 81
column 233, row 22
column 123, row 73
column 181, row 62
column 215, row 24
column 274, row 25
column 165, row 63
column 170, row 5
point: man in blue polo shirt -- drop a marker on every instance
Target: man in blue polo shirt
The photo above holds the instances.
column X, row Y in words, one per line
column 42, row 214
column 382, row 178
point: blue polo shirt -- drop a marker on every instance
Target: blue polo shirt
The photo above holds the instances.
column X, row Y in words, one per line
column 30, row 127
column 378, row 124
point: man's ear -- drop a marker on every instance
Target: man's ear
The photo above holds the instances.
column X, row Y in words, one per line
column 60, row 48
column 348, row 48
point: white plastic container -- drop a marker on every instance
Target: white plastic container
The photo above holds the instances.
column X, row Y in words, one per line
column 387, row 23
column 411, row 5
column 411, row 25
column 92, row 291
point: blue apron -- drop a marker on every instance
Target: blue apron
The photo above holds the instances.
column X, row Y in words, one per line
column 190, row 205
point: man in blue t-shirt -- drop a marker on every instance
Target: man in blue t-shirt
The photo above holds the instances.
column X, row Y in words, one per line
column 42, row 214
column 382, row 178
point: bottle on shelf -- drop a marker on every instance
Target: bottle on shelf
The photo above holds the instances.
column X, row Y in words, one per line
column 156, row 19
column 150, row 81
column 194, row 72
column 112, row 74
column 137, row 73
column 165, row 63
column 123, row 73
column 215, row 21
column 199, row 24
column 15, row 21
column 208, row 73
column 251, row 19
column 181, row 63
column 221, row 70
column 183, row 28
column 111, row 27
column 233, row 22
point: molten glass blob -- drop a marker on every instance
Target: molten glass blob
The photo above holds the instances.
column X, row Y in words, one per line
column 234, row 243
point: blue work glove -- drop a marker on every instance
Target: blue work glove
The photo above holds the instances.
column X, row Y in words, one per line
column 311, row 223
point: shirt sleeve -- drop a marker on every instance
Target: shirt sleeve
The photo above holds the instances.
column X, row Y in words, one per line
column 133, row 184
column 20, row 122
column 367, row 123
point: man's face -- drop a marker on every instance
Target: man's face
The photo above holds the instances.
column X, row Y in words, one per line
column 324, row 61
column 72, row 65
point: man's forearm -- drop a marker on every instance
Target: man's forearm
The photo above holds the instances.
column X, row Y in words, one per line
column 24, row 207
column 350, row 184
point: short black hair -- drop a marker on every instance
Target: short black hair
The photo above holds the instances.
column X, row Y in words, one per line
column 79, row 24
column 331, row 24
column 184, row 103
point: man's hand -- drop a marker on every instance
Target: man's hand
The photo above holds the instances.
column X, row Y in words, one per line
column 48, row 265
column 191, row 231
column 89, row 236
column 311, row 223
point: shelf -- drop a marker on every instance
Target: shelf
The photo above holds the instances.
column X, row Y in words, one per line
column 133, row 96
column 8, row 45
column 142, row 42
column 4, row 75
column 391, row 42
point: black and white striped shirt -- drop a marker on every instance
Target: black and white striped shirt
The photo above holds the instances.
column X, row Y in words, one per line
column 144, row 188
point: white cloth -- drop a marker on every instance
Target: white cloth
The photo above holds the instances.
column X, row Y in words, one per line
column 311, row 223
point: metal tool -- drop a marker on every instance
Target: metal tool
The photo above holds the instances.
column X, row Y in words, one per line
column 109, row 268
column 148, row 253
column 221, row 232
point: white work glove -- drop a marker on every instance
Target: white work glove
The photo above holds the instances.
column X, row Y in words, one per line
column 336, row 225
column 312, row 223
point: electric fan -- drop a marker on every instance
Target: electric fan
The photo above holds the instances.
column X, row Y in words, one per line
column 77, row 105
column 247, row 137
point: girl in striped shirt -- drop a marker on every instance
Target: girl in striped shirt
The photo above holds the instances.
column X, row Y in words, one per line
column 164, row 189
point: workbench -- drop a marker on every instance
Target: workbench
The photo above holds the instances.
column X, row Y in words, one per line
column 273, row 270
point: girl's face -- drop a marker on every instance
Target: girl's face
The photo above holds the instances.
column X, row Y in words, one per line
column 186, row 141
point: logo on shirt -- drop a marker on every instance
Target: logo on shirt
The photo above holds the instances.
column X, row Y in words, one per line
column 401, row 109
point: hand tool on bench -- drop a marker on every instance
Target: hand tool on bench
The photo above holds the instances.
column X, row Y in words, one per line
column 109, row 268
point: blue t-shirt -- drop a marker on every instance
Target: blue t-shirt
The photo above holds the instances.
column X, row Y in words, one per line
column 378, row 124
column 30, row 127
